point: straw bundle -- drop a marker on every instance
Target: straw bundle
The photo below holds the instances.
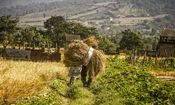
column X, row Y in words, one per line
column 76, row 54
column 98, row 62
column 91, row 41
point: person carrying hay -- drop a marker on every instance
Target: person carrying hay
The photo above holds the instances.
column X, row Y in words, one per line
column 80, row 54
column 93, row 44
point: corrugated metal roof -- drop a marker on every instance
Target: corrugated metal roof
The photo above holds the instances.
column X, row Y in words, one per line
column 168, row 32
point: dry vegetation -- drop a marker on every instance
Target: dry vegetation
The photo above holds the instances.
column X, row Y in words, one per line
column 163, row 73
column 22, row 79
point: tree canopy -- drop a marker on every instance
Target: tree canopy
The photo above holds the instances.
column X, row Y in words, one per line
column 107, row 45
column 8, row 26
column 57, row 27
column 130, row 40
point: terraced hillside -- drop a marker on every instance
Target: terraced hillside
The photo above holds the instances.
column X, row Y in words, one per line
column 105, row 15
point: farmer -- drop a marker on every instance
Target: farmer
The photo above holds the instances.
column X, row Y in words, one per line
column 93, row 44
column 83, row 58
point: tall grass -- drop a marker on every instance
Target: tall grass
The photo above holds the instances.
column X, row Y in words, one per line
column 22, row 79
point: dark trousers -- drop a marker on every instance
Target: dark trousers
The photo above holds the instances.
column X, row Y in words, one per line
column 84, row 77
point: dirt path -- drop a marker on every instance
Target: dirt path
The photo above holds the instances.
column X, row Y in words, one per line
column 164, row 75
column 167, row 78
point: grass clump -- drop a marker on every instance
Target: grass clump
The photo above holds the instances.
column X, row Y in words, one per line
column 80, row 96
column 54, row 96
column 49, row 99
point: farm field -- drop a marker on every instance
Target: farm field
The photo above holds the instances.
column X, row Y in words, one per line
column 53, row 52
column 45, row 83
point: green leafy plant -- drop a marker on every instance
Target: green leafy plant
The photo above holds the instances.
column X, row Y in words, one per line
column 133, row 85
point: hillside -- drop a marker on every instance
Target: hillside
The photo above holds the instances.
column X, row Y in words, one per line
column 105, row 15
column 10, row 3
column 111, row 7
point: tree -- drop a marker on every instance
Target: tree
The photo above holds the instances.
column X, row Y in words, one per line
column 79, row 29
column 107, row 45
column 32, row 37
column 18, row 39
column 55, row 24
column 130, row 40
column 27, row 35
column 8, row 27
column 150, row 42
column 57, row 27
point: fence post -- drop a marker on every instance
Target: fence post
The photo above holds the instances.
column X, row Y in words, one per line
column 145, row 57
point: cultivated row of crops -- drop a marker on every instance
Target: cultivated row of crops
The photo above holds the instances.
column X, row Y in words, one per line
column 132, row 85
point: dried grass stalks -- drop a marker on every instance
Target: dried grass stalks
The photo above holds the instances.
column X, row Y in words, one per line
column 21, row 79
column 91, row 41
column 76, row 54
column 98, row 60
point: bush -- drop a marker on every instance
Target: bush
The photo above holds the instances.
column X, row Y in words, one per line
column 107, row 46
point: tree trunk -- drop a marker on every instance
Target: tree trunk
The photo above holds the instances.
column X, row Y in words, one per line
column 33, row 47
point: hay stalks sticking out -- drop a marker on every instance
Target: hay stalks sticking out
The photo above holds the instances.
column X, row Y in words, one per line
column 91, row 41
column 75, row 53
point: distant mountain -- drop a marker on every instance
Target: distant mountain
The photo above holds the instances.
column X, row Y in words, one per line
column 10, row 3
column 103, row 14
column 137, row 7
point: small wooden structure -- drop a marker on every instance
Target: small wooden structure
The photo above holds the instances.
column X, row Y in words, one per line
column 9, row 53
column 70, row 38
column 30, row 54
column 166, row 45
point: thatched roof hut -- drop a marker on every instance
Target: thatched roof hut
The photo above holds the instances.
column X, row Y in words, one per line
column 166, row 45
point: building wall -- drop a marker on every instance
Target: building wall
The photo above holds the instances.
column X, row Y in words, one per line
column 166, row 50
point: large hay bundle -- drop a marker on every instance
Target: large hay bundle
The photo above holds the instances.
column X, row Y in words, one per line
column 91, row 41
column 76, row 55
column 98, row 61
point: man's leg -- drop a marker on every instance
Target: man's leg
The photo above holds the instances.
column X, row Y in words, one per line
column 83, row 75
column 91, row 74
column 89, row 82
column 71, row 81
